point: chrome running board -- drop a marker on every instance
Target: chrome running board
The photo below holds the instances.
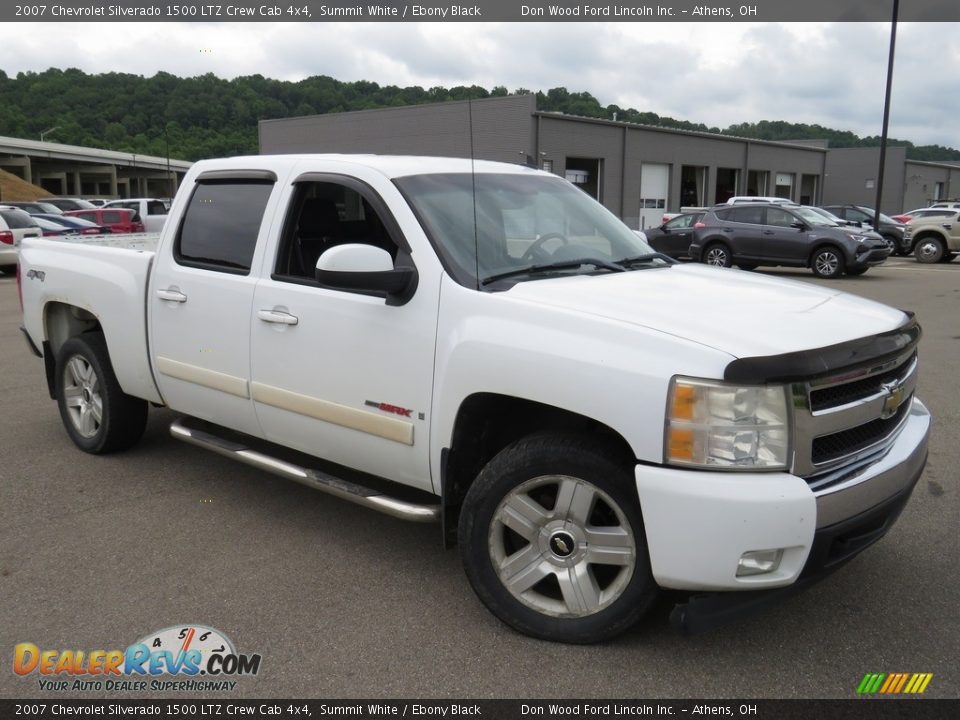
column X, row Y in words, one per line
column 316, row 479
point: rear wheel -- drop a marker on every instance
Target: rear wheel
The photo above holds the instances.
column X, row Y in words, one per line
column 718, row 255
column 98, row 416
column 929, row 250
column 552, row 541
column 827, row 262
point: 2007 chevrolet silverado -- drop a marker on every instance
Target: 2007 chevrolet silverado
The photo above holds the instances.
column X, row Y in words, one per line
column 484, row 345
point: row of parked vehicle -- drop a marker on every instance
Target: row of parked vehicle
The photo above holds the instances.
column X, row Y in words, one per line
column 59, row 217
column 832, row 240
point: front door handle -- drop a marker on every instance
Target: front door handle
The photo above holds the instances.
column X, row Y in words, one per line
column 769, row 232
column 172, row 294
column 278, row 317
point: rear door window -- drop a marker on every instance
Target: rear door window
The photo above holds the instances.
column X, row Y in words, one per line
column 749, row 215
column 220, row 227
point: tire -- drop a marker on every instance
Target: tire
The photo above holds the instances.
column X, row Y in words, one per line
column 96, row 413
column 827, row 262
column 579, row 574
column 857, row 271
column 929, row 250
column 747, row 266
column 891, row 242
column 717, row 254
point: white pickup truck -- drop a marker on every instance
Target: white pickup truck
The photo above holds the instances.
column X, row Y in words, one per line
column 485, row 346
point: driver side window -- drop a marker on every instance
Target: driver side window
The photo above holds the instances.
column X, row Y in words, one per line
column 323, row 215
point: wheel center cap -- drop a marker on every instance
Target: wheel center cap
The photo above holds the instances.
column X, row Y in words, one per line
column 562, row 544
column 87, row 395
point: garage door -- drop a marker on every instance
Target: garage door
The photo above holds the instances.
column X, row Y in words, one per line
column 654, row 189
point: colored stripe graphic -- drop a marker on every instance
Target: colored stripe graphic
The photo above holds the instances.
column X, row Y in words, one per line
column 894, row 683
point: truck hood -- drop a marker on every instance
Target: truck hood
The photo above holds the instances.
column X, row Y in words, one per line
column 737, row 312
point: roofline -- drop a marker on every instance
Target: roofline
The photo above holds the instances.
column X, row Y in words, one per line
column 676, row 131
column 945, row 164
column 60, row 151
column 370, row 111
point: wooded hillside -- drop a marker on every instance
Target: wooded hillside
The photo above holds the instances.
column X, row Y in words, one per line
column 207, row 116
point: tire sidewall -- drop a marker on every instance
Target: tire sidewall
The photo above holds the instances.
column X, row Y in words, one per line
column 929, row 259
column 840, row 262
column 728, row 258
column 515, row 465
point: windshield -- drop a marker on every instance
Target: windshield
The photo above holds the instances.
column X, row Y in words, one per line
column 487, row 225
column 883, row 218
column 814, row 218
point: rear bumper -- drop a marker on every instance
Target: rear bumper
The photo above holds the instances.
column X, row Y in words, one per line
column 699, row 524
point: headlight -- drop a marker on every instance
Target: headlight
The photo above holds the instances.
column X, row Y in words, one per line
column 717, row 426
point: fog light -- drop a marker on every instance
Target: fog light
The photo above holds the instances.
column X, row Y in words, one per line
column 759, row 562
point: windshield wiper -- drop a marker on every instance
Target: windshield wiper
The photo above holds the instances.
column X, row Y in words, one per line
column 638, row 259
column 559, row 265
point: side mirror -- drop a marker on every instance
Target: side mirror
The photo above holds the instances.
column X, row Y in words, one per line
column 365, row 269
column 799, row 225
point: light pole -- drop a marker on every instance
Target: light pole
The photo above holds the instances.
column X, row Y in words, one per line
column 48, row 131
column 886, row 115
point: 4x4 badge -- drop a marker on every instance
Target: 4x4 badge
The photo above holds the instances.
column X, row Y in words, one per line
column 894, row 399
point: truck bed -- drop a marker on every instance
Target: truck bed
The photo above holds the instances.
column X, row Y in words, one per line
column 88, row 280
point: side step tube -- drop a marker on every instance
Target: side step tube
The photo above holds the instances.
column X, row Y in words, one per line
column 315, row 479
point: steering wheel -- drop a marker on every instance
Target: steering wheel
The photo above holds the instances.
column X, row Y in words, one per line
column 535, row 249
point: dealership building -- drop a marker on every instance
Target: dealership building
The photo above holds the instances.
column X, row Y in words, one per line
column 637, row 171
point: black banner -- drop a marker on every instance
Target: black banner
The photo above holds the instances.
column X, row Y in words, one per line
column 478, row 10
column 855, row 709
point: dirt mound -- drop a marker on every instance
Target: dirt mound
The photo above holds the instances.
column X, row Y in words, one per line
column 13, row 188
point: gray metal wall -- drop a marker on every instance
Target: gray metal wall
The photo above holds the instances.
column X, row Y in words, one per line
column 919, row 181
column 623, row 150
column 502, row 130
column 852, row 176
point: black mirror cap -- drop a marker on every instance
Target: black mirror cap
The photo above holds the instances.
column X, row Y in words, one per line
column 398, row 285
column 799, row 225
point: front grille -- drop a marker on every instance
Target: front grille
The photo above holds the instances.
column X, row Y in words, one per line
column 846, row 442
column 838, row 420
column 837, row 395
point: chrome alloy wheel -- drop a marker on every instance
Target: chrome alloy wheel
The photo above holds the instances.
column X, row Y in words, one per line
column 929, row 251
column 827, row 263
column 717, row 256
column 81, row 389
column 562, row 546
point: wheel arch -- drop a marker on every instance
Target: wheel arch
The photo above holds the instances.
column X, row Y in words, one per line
column 822, row 244
column 486, row 423
column 62, row 321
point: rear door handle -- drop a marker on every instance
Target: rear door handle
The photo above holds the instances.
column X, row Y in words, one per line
column 278, row 317
column 172, row 294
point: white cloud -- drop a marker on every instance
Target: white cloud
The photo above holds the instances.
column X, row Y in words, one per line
column 715, row 73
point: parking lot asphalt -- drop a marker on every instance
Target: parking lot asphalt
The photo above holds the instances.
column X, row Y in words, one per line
column 97, row 552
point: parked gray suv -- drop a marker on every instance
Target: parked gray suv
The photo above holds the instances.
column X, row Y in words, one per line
column 768, row 234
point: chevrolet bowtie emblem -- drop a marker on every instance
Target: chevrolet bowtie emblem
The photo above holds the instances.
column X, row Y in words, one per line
column 895, row 397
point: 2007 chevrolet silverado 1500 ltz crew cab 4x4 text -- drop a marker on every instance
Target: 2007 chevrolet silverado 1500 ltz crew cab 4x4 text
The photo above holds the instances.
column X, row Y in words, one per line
column 484, row 345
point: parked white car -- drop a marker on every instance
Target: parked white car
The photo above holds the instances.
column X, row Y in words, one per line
column 15, row 225
column 485, row 346
column 153, row 211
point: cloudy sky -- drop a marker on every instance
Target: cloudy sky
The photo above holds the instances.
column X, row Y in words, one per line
column 715, row 73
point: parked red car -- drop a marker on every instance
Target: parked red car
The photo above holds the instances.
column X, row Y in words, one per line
column 119, row 220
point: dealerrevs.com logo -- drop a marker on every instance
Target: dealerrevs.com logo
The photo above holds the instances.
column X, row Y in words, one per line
column 179, row 658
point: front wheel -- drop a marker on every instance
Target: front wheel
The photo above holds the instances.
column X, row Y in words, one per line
column 827, row 263
column 929, row 250
column 98, row 416
column 552, row 541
